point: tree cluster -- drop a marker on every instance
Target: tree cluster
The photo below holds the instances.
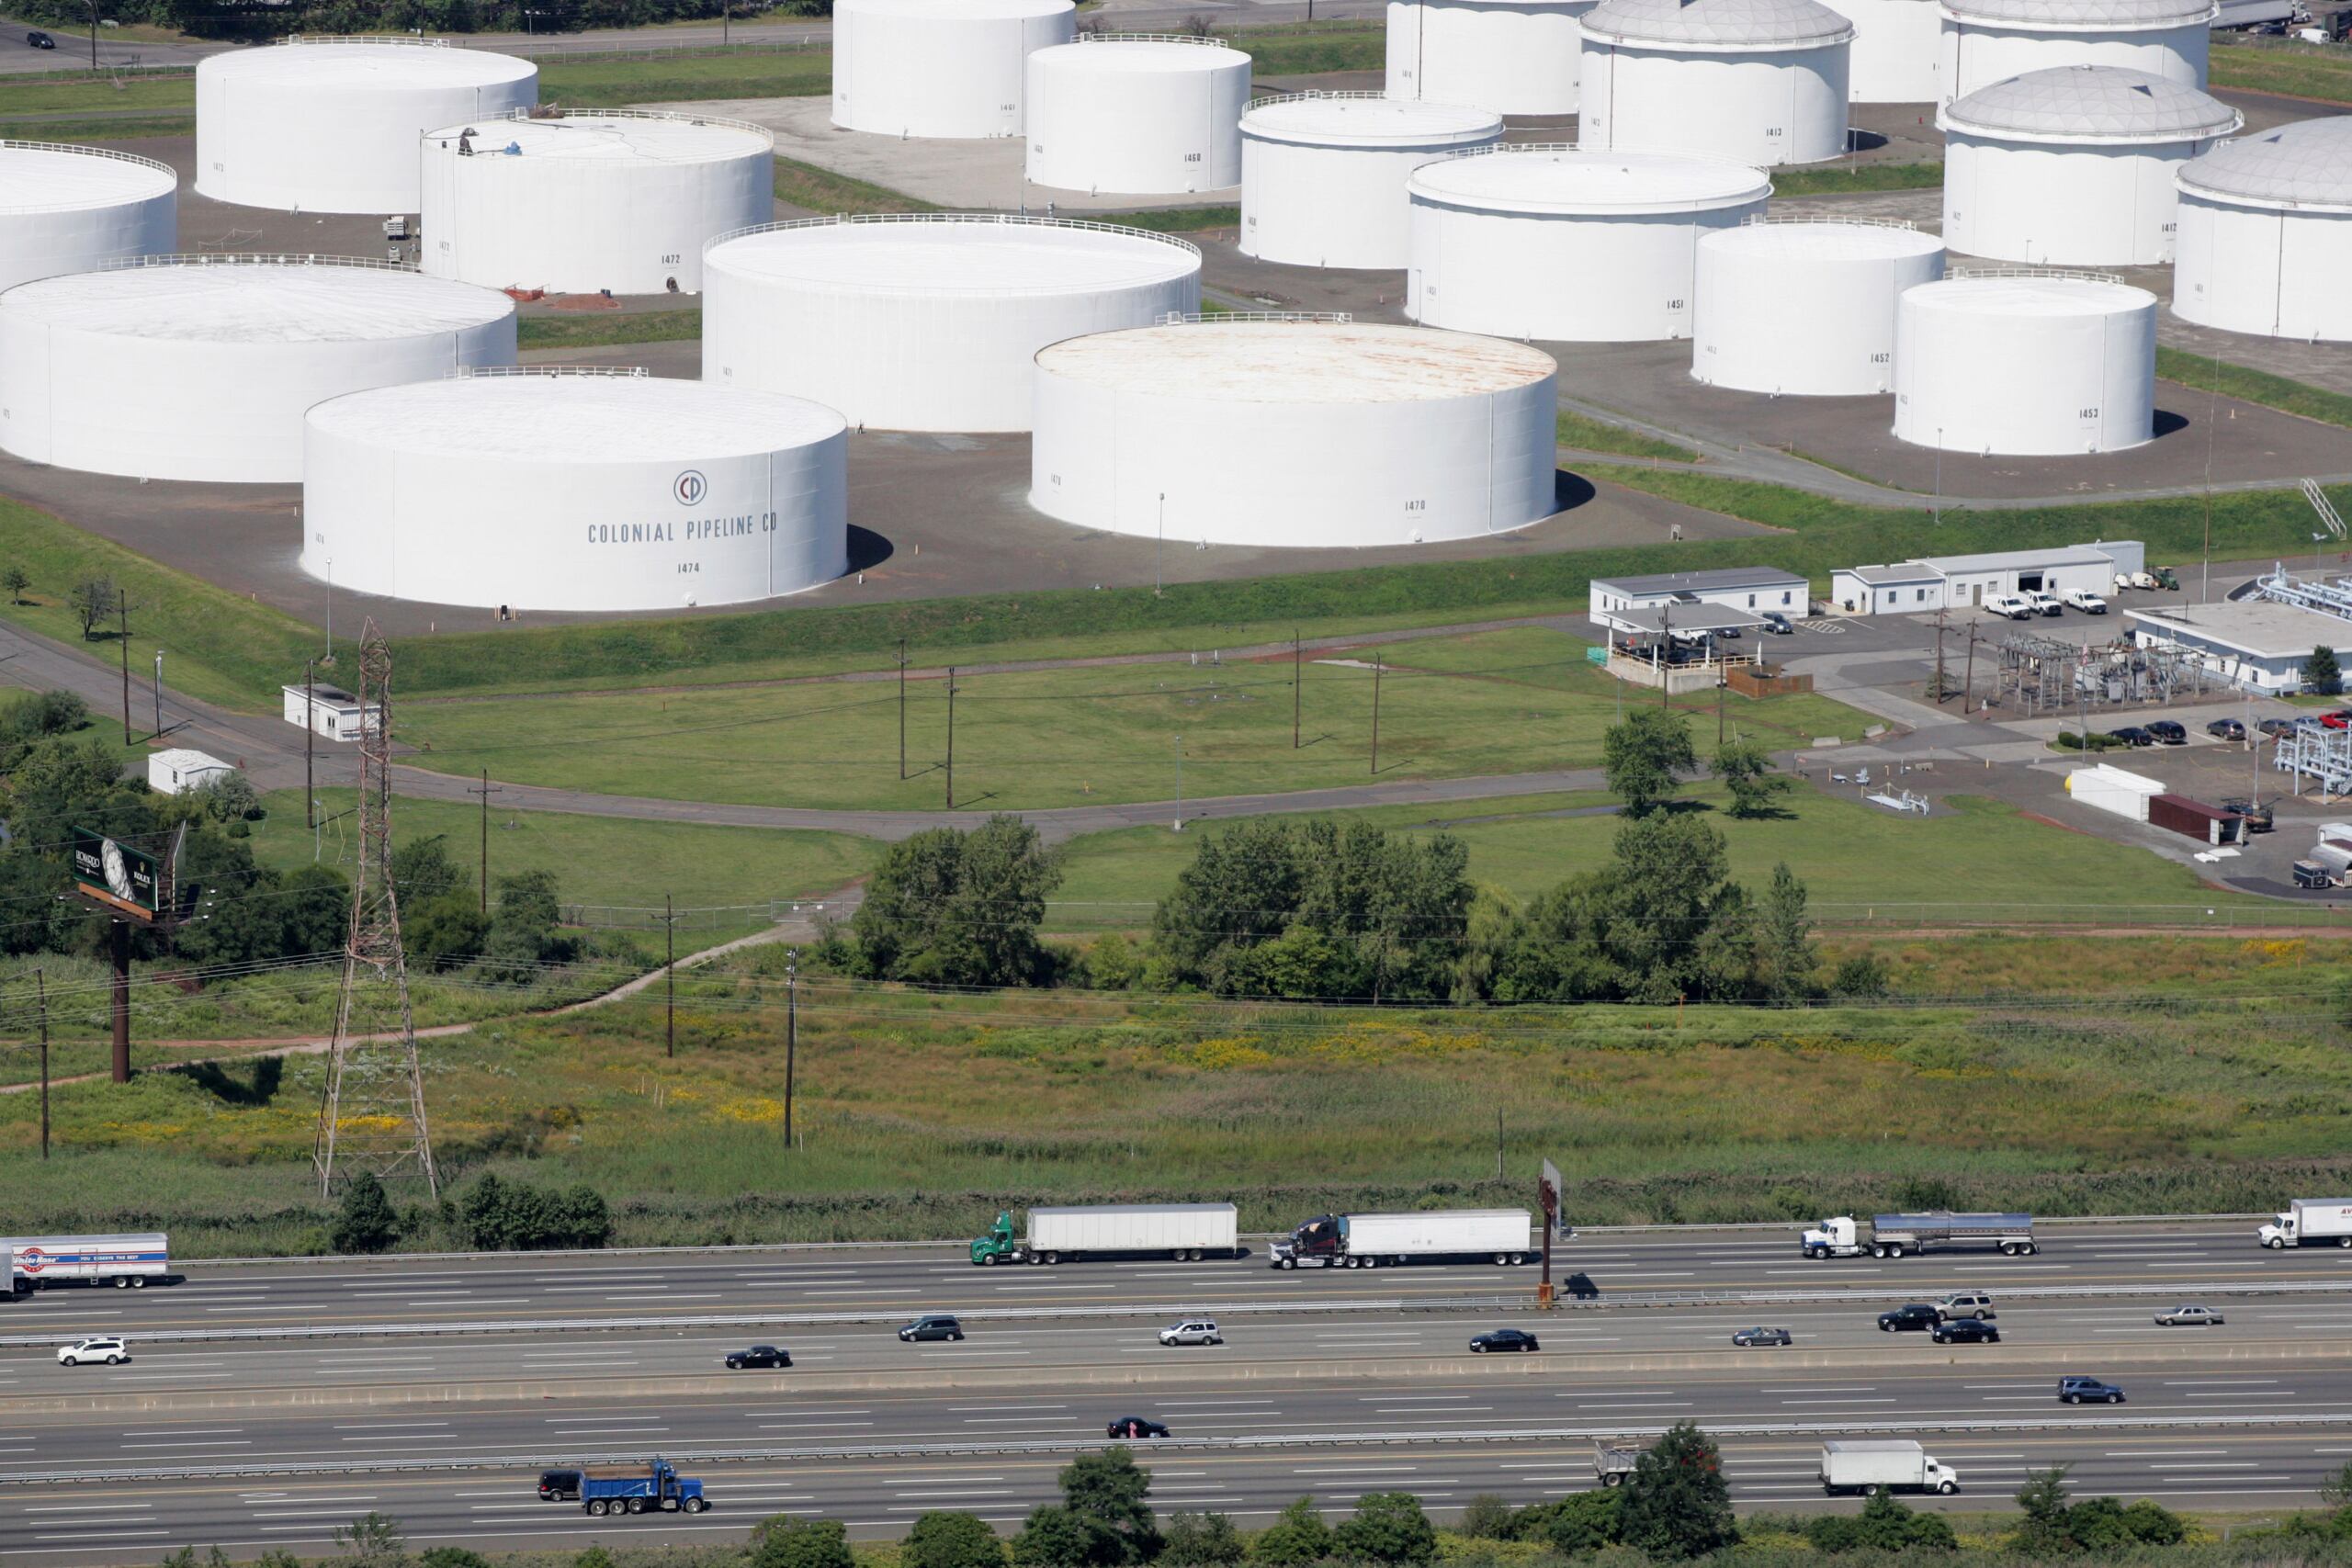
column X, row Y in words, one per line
column 1315, row 909
column 951, row 907
column 270, row 19
column 444, row 925
column 2056, row 1527
column 1883, row 1525
column 507, row 1216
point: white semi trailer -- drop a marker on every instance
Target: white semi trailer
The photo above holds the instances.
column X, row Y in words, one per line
column 2311, row 1222
column 1868, row 1463
column 1115, row 1230
column 1375, row 1241
column 46, row 1260
column 1891, row 1235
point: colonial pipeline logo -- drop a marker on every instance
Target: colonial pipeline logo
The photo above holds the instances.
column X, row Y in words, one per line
column 690, row 488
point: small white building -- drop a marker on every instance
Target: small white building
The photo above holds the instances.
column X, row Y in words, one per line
column 1960, row 583
column 2104, row 787
column 329, row 711
column 1616, row 603
column 2260, row 646
column 177, row 771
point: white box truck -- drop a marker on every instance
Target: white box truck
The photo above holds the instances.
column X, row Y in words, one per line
column 1438, row 1236
column 1891, row 1235
column 1865, row 1464
column 1105, row 1230
column 2310, row 1222
column 47, row 1260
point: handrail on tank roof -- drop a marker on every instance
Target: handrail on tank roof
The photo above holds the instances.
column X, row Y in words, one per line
column 1760, row 218
column 2065, row 273
column 542, row 113
column 467, row 372
column 412, row 40
column 1197, row 318
column 1213, row 43
column 85, row 152
column 249, row 258
column 1009, row 220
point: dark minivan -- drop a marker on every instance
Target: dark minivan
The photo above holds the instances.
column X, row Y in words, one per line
column 933, row 1325
column 559, row 1487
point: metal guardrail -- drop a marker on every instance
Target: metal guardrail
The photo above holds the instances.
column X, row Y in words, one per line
column 1638, row 1301
column 920, row 1449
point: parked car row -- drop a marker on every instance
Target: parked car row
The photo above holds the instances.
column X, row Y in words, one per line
column 2029, row 602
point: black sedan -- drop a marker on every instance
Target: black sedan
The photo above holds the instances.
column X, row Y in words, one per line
column 38, row 39
column 1965, row 1331
column 2167, row 732
column 1762, row 1336
column 1903, row 1318
column 1135, row 1426
column 1505, row 1339
column 759, row 1356
column 2131, row 735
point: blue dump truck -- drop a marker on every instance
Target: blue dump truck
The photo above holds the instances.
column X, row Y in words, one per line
column 652, row 1487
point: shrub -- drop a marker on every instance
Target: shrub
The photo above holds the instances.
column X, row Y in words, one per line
column 1488, row 1517
column 1387, row 1527
column 945, row 1538
column 1298, row 1537
column 2153, row 1524
column 1201, row 1541
column 1585, row 1522
column 1052, row 1539
column 802, row 1544
column 365, row 1223
column 451, row 1557
column 1677, row 1503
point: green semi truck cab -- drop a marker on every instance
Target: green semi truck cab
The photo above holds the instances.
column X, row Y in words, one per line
column 1000, row 1242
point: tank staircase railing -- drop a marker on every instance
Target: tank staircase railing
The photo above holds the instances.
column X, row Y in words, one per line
column 1195, row 318
column 1006, row 220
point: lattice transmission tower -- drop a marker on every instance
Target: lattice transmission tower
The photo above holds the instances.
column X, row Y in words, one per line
column 372, row 1114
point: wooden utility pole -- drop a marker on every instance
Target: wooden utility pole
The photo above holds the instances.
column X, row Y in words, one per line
column 670, row 979
column 1940, row 693
column 1376, row 715
column 118, row 1005
column 1664, row 656
column 309, row 729
column 1719, row 706
column 791, row 1031
column 122, row 635
column 41, row 985
column 951, row 738
column 902, row 709
column 1968, row 682
column 485, row 789
column 1297, row 669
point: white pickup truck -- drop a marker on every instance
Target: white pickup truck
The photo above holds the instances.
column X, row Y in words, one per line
column 2044, row 604
column 2089, row 603
column 2007, row 604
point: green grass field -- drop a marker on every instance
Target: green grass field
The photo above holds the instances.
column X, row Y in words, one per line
column 827, row 194
column 1858, row 861
column 590, row 82
column 2202, row 373
column 1300, row 48
column 596, row 860
column 925, row 1114
column 603, row 330
column 1501, row 702
column 1582, row 434
column 1839, row 179
column 2297, row 68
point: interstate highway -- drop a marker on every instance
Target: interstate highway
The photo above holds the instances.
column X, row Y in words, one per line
column 883, row 1283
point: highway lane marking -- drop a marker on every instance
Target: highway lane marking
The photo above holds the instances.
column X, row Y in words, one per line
column 2166, row 1453
column 794, row 1426
column 1455, row 1410
column 803, row 1411
column 985, row 1409
column 370, row 1426
column 79, row 1507
column 211, row 1443
column 2215, row 1382
column 187, row 1432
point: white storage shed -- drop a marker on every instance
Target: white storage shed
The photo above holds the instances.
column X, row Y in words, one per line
column 328, row 711
column 2104, row 787
column 2266, row 226
column 176, row 770
column 1760, row 82
column 2074, row 167
column 1757, row 590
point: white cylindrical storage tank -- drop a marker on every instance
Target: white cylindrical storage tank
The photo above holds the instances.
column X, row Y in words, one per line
column 560, row 488
column 331, row 124
column 1760, row 82
column 1294, row 431
column 74, row 209
column 199, row 367
column 1142, row 114
column 1323, row 174
column 945, row 68
column 1574, row 246
column 2072, row 166
column 1898, row 45
column 1987, row 41
column 926, row 321
column 2026, row 364
column 2266, row 226
column 1519, row 57
column 619, row 199
column 1804, row 305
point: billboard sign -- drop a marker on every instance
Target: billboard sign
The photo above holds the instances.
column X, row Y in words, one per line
column 110, row 872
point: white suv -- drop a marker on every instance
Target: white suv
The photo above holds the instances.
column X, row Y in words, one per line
column 1965, row 1304
column 1191, row 1331
column 113, row 1352
column 2007, row 604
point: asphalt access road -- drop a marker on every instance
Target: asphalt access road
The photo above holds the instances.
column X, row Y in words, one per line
column 891, row 1283
column 492, row 1509
column 827, row 1361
